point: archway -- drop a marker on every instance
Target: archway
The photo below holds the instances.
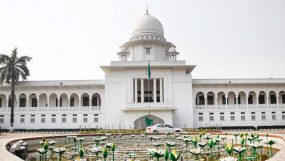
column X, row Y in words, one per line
column 140, row 123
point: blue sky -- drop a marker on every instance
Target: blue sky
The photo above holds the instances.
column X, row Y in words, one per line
column 70, row 39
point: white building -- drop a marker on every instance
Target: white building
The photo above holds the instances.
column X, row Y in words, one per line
column 127, row 96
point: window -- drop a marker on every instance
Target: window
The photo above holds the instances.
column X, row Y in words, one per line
column 210, row 100
column 1, row 118
column 211, row 117
column 34, row 102
column 95, row 117
column 85, row 101
column 273, row 115
column 85, row 118
column 253, row 116
column 53, row 118
column 74, row 119
column 22, row 102
column 32, row 118
column 224, row 99
column 147, row 51
column 283, row 115
column 232, row 116
column 263, row 116
column 43, row 119
column 22, row 119
column 261, row 99
column 0, row 102
column 250, row 100
column 283, row 99
column 72, row 102
column 63, row 119
column 242, row 118
column 201, row 100
column 222, row 117
column 273, row 99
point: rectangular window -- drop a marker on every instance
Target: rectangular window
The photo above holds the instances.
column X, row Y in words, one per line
column 200, row 118
column 242, row 118
column 32, row 118
column 273, row 117
column 210, row 100
column 85, row 101
column 283, row 115
column 263, row 117
column 147, row 51
column 250, row 100
column 74, row 119
column 232, row 118
column 0, row 102
column 283, row 99
column 261, row 99
column 53, row 118
column 72, row 102
column 211, row 116
column 85, row 119
column 63, row 120
column 43, row 119
column 22, row 119
column 34, row 102
column 22, row 102
column 1, row 118
column 253, row 117
column 222, row 118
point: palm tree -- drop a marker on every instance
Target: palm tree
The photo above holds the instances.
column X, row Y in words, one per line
column 11, row 69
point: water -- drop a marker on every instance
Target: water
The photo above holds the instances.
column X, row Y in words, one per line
column 132, row 147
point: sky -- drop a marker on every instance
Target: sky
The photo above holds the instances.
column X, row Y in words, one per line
column 71, row 39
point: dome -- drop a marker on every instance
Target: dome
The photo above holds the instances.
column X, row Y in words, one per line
column 147, row 25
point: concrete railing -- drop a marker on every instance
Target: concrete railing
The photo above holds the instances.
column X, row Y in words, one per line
column 80, row 108
column 240, row 106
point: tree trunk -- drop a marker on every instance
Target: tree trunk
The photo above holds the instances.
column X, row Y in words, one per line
column 12, row 102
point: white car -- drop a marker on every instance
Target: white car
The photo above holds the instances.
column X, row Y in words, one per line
column 162, row 128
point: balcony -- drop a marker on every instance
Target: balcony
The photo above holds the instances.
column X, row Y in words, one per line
column 240, row 106
column 150, row 106
column 23, row 109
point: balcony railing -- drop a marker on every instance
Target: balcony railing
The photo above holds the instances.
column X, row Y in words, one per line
column 150, row 106
column 82, row 108
column 240, row 106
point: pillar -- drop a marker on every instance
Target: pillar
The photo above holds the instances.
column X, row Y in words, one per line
column 154, row 90
column 90, row 100
column 136, row 91
column 160, row 90
column 142, row 91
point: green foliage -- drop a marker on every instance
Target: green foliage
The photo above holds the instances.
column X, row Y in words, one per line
column 45, row 146
column 229, row 149
column 211, row 143
column 105, row 153
column 174, row 156
column 81, row 153
column 113, row 147
column 166, row 154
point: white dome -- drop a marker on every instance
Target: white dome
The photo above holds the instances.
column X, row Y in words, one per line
column 146, row 25
column 172, row 49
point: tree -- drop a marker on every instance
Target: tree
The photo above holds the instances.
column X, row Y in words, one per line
column 11, row 69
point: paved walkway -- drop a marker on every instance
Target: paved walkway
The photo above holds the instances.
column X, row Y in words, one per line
column 7, row 137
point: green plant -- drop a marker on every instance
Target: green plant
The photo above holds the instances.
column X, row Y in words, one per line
column 166, row 154
column 81, row 153
column 229, row 149
column 113, row 148
column 174, row 156
column 105, row 153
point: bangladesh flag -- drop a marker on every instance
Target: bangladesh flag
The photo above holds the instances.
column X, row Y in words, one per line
column 148, row 70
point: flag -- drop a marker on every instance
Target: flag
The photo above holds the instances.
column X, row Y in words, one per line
column 148, row 69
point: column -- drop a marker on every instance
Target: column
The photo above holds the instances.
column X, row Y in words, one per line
column 90, row 100
column 160, row 90
column 28, row 102
column 257, row 103
column 246, row 100
column 267, row 101
column 136, row 90
column 206, row 100
column 216, row 100
column 236, row 100
column 38, row 102
column 226, row 100
column 142, row 91
column 154, row 90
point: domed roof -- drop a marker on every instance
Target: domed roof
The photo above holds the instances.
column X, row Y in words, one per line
column 148, row 24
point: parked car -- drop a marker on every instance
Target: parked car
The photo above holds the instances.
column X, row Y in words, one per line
column 162, row 128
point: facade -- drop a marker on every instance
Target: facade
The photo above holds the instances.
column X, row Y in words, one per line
column 128, row 96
